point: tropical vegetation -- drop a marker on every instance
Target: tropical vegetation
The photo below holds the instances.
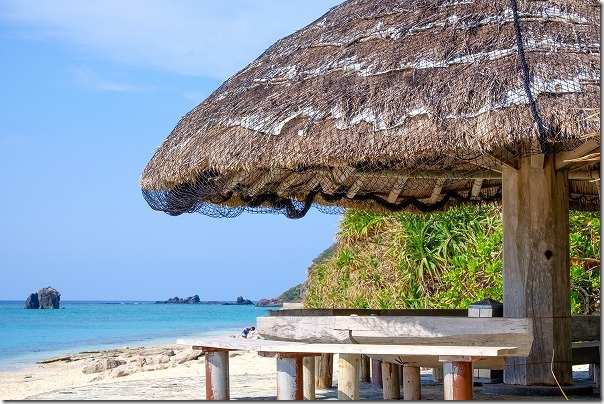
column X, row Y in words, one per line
column 441, row 260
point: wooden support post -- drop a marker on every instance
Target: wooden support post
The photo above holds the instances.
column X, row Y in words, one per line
column 437, row 374
column 324, row 371
column 289, row 377
column 308, row 377
column 459, row 380
column 536, row 269
column 391, row 382
column 376, row 373
column 348, row 383
column 412, row 387
column 365, row 370
column 217, row 375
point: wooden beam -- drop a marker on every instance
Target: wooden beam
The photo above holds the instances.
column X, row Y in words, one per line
column 356, row 185
column 476, row 187
column 398, row 187
column 564, row 160
column 444, row 174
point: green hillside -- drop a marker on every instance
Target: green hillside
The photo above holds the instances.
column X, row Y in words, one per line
column 442, row 260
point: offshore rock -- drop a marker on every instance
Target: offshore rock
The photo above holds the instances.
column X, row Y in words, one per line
column 241, row 300
column 32, row 302
column 178, row 300
column 46, row 298
column 49, row 298
column 269, row 303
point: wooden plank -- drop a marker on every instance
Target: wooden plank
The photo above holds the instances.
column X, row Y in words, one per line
column 564, row 161
column 585, row 328
column 399, row 350
column 415, row 330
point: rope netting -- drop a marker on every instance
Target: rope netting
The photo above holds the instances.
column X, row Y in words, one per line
column 391, row 105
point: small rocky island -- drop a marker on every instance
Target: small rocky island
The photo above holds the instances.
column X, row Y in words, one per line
column 46, row 298
column 179, row 300
column 276, row 302
column 195, row 300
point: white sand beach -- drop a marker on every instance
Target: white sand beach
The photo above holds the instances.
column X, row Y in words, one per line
column 158, row 372
column 173, row 372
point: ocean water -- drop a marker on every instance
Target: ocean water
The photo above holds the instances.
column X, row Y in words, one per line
column 27, row 336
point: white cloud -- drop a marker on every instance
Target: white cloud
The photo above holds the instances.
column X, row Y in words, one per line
column 86, row 77
column 191, row 37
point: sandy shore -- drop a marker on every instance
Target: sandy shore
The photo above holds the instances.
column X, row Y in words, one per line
column 172, row 372
column 157, row 372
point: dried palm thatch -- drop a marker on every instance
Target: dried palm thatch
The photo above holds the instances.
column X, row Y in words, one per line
column 389, row 105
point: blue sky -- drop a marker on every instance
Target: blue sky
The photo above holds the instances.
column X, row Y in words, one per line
column 89, row 91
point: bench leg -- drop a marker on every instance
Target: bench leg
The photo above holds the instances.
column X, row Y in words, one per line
column 217, row 375
column 308, row 377
column 376, row 373
column 390, row 381
column 459, row 378
column 412, row 386
column 348, row 383
column 289, row 377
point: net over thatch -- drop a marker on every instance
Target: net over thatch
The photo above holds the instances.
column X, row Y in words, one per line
column 391, row 105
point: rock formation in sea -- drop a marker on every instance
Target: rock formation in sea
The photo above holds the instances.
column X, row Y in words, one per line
column 179, row 300
column 32, row 302
column 269, row 303
column 46, row 298
column 241, row 300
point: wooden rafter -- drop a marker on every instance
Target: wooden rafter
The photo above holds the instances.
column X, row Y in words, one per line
column 565, row 160
column 436, row 191
column 356, row 185
column 396, row 191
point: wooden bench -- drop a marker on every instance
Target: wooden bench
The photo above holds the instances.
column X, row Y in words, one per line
column 585, row 338
column 454, row 343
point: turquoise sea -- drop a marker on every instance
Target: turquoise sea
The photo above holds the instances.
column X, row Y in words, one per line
column 27, row 336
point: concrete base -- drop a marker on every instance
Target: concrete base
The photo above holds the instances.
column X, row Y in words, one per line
column 518, row 390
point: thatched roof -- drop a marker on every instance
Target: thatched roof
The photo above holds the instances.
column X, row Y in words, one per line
column 393, row 104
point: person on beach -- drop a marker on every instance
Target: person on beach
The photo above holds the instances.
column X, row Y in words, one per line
column 246, row 331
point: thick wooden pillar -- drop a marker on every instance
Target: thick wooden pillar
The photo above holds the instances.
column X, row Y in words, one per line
column 217, row 375
column 289, row 377
column 459, row 379
column 348, row 375
column 365, row 370
column 308, row 379
column 391, row 381
column 412, row 384
column 536, row 274
column 324, row 371
column 376, row 373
